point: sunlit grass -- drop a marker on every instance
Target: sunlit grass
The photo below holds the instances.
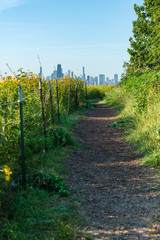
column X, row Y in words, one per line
column 145, row 133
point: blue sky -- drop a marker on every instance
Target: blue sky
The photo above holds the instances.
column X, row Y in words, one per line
column 75, row 33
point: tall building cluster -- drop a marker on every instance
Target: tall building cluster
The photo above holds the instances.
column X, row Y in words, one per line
column 58, row 73
column 100, row 80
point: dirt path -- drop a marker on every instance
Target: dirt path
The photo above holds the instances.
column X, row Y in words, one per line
column 117, row 196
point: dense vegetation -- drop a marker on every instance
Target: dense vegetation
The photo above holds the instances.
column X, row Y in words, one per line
column 24, row 214
column 39, row 212
column 137, row 96
column 139, row 102
column 10, row 139
column 144, row 45
column 94, row 92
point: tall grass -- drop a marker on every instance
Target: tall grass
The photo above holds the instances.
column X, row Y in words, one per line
column 138, row 101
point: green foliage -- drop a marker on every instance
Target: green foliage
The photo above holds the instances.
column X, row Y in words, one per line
column 34, row 140
column 144, row 88
column 98, row 92
column 88, row 104
column 49, row 182
column 138, row 101
column 123, row 123
column 37, row 214
column 144, row 45
column 40, row 212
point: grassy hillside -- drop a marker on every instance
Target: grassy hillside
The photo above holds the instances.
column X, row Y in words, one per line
column 138, row 100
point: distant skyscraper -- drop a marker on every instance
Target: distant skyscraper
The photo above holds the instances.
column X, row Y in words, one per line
column 40, row 74
column 107, row 81
column 96, row 81
column 69, row 73
column 59, row 71
column 83, row 74
column 54, row 75
column 72, row 75
column 88, row 80
column 116, row 79
column 83, row 70
column 92, row 80
column 101, row 79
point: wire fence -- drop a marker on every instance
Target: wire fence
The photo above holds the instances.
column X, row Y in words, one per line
column 27, row 123
column 6, row 104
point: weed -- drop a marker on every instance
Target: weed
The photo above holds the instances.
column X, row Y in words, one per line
column 49, row 182
column 123, row 123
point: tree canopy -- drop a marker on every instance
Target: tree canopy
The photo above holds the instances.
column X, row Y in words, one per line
column 145, row 44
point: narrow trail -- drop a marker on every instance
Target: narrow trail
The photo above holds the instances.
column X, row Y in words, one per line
column 116, row 195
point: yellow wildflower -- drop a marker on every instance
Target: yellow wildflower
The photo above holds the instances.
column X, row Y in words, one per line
column 8, row 172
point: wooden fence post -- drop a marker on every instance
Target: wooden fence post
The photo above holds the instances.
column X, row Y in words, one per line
column 69, row 97
column 76, row 98
column 43, row 116
column 51, row 102
column 22, row 138
column 57, row 100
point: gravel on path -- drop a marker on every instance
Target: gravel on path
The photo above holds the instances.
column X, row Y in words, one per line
column 117, row 196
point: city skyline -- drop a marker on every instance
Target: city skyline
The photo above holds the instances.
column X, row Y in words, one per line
column 90, row 80
column 94, row 34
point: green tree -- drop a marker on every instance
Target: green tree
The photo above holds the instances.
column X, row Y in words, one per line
column 144, row 45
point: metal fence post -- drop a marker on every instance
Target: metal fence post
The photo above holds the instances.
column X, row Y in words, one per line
column 51, row 102
column 57, row 100
column 43, row 116
column 69, row 97
column 22, row 138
